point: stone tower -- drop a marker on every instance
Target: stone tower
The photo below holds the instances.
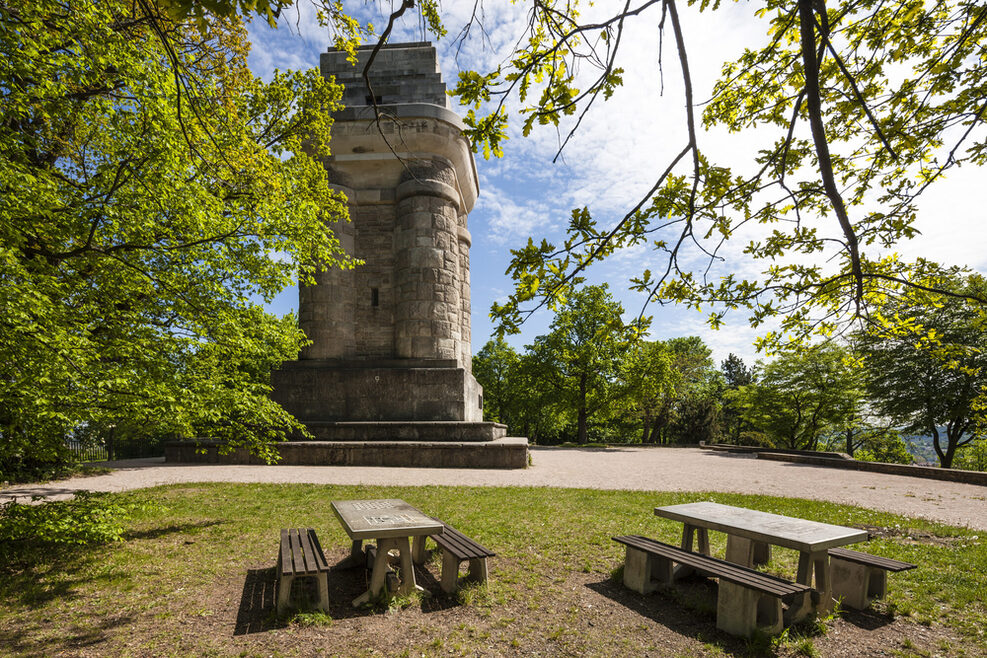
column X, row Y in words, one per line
column 390, row 358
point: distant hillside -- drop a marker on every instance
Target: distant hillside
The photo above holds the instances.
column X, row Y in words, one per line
column 921, row 449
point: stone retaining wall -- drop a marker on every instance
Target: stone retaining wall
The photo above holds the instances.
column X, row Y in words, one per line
column 842, row 460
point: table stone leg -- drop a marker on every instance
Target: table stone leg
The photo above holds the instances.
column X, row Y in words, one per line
column 418, row 549
column 408, row 584
column 680, row 570
column 813, row 566
column 702, row 535
column 378, row 577
column 740, row 550
column 824, row 582
column 356, row 558
column 762, row 552
column 687, row 532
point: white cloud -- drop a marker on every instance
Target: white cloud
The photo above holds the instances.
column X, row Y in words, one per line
column 509, row 222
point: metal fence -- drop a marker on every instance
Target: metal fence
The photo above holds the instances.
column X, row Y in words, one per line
column 88, row 451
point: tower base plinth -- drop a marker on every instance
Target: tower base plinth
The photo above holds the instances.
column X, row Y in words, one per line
column 500, row 453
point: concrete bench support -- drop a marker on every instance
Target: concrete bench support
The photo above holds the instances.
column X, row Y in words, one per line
column 644, row 571
column 741, row 610
column 747, row 600
column 456, row 548
column 860, row 578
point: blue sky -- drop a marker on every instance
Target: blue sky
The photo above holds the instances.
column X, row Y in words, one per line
column 614, row 158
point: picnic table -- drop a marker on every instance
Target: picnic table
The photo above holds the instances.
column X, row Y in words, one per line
column 391, row 523
column 751, row 533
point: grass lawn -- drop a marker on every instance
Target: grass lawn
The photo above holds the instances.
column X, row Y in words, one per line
column 194, row 575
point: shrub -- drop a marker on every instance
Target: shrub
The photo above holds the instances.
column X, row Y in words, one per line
column 755, row 439
column 89, row 518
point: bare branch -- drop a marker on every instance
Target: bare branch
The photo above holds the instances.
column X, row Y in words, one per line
column 810, row 62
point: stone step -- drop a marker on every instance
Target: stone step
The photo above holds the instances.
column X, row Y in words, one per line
column 448, row 430
column 510, row 452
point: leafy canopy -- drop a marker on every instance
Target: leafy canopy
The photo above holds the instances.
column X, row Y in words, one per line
column 863, row 106
column 151, row 187
column 926, row 359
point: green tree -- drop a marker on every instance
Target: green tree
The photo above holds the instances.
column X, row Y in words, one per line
column 151, row 187
column 694, row 408
column 868, row 442
column 648, row 380
column 578, row 359
column 801, row 395
column 697, row 415
column 735, row 375
column 497, row 368
column 926, row 359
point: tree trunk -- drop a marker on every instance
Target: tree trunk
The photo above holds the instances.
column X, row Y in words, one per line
column 849, row 441
column 952, row 443
column 651, row 431
column 581, row 436
column 945, row 458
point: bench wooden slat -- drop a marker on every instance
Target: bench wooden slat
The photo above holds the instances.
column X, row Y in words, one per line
column 286, row 565
column 711, row 566
column 301, row 553
column 885, row 563
column 459, row 544
column 449, row 541
column 320, row 557
column 298, row 561
column 308, row 551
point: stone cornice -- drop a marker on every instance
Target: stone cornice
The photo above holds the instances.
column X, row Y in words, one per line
column 357, row 139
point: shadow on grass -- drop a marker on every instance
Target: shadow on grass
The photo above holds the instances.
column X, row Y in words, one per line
column 258, row 601
column 34, row 573
column 72, row 641
column 867, row 619
column 155, row 533
column 689, row 610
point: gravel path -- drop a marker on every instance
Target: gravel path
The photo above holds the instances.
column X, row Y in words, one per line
column 648, row 469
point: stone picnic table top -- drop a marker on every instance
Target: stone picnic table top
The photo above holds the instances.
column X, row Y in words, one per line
column 800, row 534
column 383, row 519
column 750, row 534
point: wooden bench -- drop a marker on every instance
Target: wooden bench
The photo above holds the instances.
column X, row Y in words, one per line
column 747, row 600
column 859, row 578
column 456, row 549
column 301, row 555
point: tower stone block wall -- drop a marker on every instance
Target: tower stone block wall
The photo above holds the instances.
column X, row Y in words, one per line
column 391, row 338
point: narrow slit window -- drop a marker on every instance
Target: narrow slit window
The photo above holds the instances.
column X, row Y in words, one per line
column 374, row 100
column 375, row 297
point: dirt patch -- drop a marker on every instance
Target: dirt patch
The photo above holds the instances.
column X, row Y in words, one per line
column 913, row 536
column 575, row 614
